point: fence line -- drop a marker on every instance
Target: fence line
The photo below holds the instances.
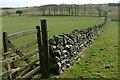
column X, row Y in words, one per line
column 31, row 67
column 52, row 56
column 20, row 34
column 68, row 48
column 26, row 45
column 12, row 70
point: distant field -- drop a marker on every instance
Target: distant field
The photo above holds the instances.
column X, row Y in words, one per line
column 56, row 25
column 101, row 59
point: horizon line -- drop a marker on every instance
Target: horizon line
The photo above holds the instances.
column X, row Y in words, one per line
column 50, row 4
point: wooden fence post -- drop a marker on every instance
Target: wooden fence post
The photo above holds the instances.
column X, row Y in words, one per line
column 6, row 49
column 45, row 49
column 41, row 57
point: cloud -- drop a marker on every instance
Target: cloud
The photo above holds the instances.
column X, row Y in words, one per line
column 13, row 3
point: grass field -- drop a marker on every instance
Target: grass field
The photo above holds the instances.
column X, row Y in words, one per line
column 56, row 25
column 100, row 60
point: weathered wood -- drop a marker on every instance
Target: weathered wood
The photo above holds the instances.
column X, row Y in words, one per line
column 12, row 71
column 20, row 34
column 5, row 73
column 17, row 58
column 28, row 65
column 5, row 42
column 17, row 51
column 6, row 49
column 26, row 45
column 7, row 61
column 27, row 56
column 28, row 75
column 46, row 64
column 5, row 54
column 9, row 72
column 41, row 57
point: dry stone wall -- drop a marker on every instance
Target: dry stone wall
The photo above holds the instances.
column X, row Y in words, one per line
column 65, row 49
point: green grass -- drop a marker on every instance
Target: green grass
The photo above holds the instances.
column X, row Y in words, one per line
column 56, row 25
column 102, row 53
column 94, row 68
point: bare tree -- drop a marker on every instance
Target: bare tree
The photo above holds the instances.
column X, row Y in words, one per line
column 49, row 11
column 90, row 8
column 83, row 9
column 76, row 7
column 54, row 10
column 43, row 9
column 60, row 10
column 69, row 10
column 98, row 9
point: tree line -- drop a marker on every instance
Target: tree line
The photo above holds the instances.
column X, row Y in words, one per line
column 114, row 4
column 68, row 10
column 72, row 10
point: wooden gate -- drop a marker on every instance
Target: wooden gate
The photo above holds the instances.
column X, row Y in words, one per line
column 13, row 55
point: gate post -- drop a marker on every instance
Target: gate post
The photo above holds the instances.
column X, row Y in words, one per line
column 45, row 49
column 6, row 49
column 41, row 59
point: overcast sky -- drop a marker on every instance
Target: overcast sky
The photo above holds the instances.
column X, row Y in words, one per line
column 25, row 3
